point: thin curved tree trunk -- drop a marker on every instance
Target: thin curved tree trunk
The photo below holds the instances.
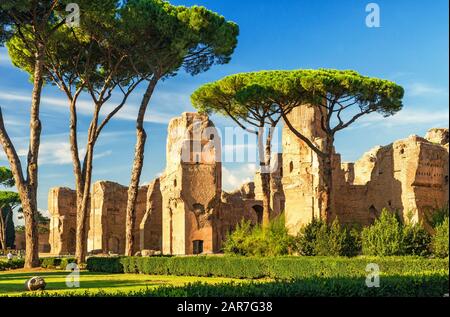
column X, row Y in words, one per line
column 325, row 193
column 136, row 171
column 2, row 231
column 27, row 188
column 265, row 174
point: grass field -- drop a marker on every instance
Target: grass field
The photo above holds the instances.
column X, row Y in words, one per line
column 12, row 282
column 239, row 276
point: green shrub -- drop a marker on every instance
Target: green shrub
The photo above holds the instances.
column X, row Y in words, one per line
column 384, row 237
column 105, row 264
column 430, row 285
column 256, row 241
column 11, row 265
column 440, row 239
column 336, row 240
column 415, row 240
column 237, row 241
column 56, row 262
column 306, row 239
column 317, row 238
column 285, row 268
column 437, row 216
column 50, row 263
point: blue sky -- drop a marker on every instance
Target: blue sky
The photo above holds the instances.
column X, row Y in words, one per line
column 410, row 48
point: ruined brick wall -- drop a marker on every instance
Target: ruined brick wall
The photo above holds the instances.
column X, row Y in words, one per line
column 150, row 227
column 191, row 184
column 237, row 206
column 62, row 208
column 108, row 217
column 277, row 199
column 408, row 177
column 301, row 168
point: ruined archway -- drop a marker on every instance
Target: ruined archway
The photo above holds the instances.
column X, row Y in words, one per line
column 259, row 213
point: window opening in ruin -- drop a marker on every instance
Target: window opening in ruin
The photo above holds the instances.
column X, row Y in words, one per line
column 211, row 136
column 259, row 213
column 174, row 183
column 446, row 179
column 402, row 151
column 197, row 246
column 198, row 208
column 291, row 167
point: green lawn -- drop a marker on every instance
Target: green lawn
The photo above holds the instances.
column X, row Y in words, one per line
column 12, row 282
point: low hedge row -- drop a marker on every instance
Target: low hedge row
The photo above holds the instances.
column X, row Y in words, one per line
column 11, row 265
column 435, row 285
column 47, row 263
column 53, row 263
column 258, row 267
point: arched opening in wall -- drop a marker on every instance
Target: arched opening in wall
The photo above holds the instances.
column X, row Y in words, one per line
column 174, row 183
column 291, row 167
column 373, row 214
column 197, row 246
column 259, row 213
column 402, row 151
column 71, row 241
column 113, row 245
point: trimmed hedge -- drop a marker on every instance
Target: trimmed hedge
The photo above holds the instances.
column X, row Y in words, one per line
column 53, row 263
column 435, row 285
column 11, row 265
column 259, row 267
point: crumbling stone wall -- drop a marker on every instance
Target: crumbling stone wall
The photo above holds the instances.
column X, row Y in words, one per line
column 150, row 228
column 409, row 177
column 277, row 199
column 301, row 168
column 191, row 185
column 108, row 217
column 62, row 208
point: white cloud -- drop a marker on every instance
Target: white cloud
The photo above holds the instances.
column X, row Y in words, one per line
column 128, row 112
column 421, row 89
column 54, row 149
column 233, row 179
column 430, row 118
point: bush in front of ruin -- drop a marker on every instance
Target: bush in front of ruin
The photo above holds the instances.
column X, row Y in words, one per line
column 318, row 238
column 441, row 239
column 389, row 236
column 249, row 240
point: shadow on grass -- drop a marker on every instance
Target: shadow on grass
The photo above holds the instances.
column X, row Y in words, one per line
column 434, row 285
column 85, row 285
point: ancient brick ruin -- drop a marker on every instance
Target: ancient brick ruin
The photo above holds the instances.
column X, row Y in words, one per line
column 185, row 210
column 409, row 176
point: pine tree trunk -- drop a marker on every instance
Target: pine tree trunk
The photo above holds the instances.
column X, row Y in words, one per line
column 27, row 188
column 327, row 182
column 266, row 177
column 138, row 163
column 84, row 194
column 2, row 231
